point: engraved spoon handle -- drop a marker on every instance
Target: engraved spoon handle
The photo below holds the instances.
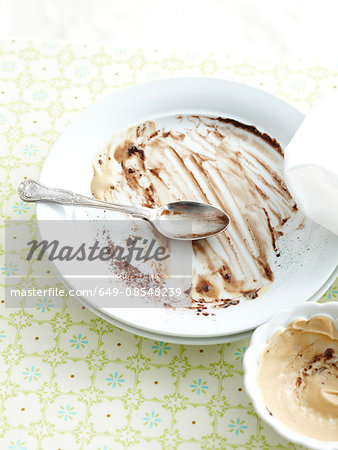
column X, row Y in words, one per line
column 32, row 191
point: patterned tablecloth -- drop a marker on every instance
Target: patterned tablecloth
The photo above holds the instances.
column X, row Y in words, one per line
column 69, row 380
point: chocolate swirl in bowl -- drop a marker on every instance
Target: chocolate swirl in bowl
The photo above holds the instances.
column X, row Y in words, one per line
column 298, row 377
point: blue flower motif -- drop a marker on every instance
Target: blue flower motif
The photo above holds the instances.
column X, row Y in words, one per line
column 40, row 95
column 44, row 305
column 9, row 269
column 21, row 207
column 2, row 336
column 152, row 75
column 237, row 426
column 240, row 353
column 31, row 374
column 115, row 380
column 120, row 51
column 30, row 150
column 199, row 386
column 19, row 445
column 332, row 292
column 81, row 71
column 9, row 66
column 78, row 341
column 298, row 86
column 151, row 419
column 161, row 348
column 66, row 413
column 49, row 44
column 3, row 119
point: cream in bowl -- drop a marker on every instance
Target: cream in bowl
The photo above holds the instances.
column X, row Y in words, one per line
column 291, row 374
column 298, row 377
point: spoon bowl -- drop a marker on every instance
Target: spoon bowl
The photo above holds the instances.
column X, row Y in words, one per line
column 188, row 220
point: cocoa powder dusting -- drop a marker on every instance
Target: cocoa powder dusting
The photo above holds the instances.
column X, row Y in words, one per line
column 132, row 276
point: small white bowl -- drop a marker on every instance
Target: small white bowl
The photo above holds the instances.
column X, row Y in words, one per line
column 258, row 343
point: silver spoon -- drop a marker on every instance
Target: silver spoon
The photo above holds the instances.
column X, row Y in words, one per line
column 178, row 220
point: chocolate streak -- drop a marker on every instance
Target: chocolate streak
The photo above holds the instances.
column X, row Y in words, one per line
column 222, row 162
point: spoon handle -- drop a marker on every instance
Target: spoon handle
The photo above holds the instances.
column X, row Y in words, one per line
column 32, row 191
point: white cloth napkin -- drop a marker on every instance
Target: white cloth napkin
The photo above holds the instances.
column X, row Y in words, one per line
column 311, row 163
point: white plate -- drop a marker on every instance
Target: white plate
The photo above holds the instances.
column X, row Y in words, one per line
column 166, row 338
column 183, row 339
column 68, row 166
column 187, row 340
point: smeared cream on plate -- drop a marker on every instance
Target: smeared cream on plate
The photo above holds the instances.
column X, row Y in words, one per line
column 217, row 161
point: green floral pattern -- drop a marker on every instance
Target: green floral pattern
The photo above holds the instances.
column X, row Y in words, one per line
column 67, row 378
